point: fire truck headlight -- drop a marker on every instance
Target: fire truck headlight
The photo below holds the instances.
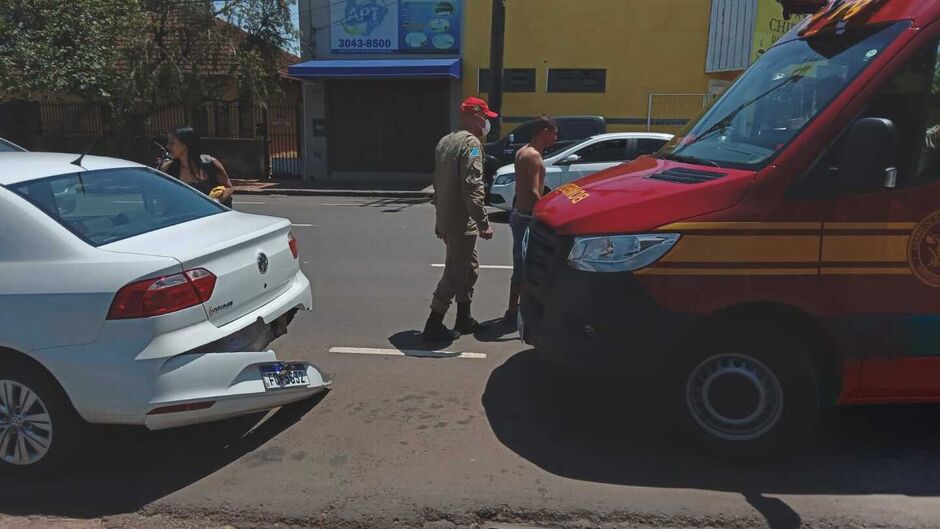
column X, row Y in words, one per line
column 619, row 253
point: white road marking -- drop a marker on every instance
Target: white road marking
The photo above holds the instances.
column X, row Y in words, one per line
column 485, row 267
column 244, row 202
column 305, row 225
column 399, row 352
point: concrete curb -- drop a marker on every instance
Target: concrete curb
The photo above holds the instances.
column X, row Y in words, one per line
column 366, row 193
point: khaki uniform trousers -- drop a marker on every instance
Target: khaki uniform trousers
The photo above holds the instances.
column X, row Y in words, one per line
column 461, row 269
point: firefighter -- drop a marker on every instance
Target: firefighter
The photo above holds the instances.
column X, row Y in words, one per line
column 460, row 218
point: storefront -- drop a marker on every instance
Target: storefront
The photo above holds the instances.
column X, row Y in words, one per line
column 381, row 89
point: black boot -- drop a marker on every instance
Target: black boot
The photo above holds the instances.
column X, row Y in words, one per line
column 435, row 331
column 465, row 322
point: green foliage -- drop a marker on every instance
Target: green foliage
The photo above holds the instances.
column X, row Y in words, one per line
column 47, row 47
column 138, row 56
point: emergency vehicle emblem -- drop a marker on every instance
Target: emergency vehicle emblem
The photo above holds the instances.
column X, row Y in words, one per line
column 924, row 250
column 573, row 192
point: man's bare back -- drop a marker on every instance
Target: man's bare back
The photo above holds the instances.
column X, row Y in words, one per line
column 530, row 177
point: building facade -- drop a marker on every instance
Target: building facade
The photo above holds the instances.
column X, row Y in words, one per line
column 383, row 78
column 381, row 85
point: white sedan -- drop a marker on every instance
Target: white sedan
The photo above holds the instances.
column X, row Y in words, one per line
column 127, row 297
column 591, row 155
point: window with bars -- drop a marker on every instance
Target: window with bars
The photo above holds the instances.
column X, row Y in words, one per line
column 577, row 80
column 514, row 80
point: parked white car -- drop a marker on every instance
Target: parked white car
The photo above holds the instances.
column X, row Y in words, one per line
column 591, row 155
column 127, row 297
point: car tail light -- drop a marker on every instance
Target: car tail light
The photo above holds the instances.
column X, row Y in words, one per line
column 203, row 281
column 292, row 242
column 162, row 295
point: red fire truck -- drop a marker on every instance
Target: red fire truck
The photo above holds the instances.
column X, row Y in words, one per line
column 782, row 253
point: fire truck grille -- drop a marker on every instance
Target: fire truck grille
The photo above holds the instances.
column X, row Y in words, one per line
column 542, row 252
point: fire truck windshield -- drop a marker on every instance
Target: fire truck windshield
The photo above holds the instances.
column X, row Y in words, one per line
column 778, row 96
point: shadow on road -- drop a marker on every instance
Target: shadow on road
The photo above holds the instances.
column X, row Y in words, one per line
column 406, row 341
column 606, row 431
column 778, row 514
column 125, row 468
column 394, row 205
column 496, row 330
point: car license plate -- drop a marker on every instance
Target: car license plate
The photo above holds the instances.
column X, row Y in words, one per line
column 280, row 376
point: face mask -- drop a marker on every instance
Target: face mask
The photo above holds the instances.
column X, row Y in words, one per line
column 487, row 127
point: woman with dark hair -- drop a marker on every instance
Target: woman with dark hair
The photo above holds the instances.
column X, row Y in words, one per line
column 190, row 166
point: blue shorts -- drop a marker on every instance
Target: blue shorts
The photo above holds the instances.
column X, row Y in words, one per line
column 518, row 222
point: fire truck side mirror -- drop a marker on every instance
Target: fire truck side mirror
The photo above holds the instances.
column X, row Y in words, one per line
column 870, row 155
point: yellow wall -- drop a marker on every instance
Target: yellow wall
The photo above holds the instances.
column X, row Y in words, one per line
column 645, row 45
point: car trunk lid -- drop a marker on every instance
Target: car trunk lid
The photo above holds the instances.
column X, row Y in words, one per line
column 249, row 255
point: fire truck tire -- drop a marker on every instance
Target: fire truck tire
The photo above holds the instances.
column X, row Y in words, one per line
column 745, row 388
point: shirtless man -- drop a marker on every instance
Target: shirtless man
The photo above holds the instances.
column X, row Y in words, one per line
column 530, row 181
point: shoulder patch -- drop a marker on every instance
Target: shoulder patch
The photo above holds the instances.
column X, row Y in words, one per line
column 475, row 151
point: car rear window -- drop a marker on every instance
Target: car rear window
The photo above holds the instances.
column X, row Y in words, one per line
column 109, row 205
column 8, row 146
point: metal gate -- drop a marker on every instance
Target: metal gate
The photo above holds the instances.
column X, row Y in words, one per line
column 279, row 128
column 276, row 128
column 671, row 112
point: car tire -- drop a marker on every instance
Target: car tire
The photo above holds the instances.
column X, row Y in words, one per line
column 745, row 389
column 41, row 438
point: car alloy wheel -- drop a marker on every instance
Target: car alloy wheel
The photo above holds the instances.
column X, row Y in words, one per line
column 25, row 424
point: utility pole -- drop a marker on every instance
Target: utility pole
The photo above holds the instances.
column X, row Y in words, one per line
column 497, row 37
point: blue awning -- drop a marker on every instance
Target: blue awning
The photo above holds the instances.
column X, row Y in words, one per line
column 400, row 68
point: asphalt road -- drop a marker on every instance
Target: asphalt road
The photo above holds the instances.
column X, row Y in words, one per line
column 436, row 442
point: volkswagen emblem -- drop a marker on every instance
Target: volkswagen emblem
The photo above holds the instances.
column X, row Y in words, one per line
column 262, row 263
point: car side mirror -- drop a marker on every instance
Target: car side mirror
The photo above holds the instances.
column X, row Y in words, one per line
column 573, row 158
column 870, row 155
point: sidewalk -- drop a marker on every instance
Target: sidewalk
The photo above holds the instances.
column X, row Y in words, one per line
column 297, row 187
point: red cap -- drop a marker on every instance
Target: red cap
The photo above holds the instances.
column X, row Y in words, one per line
column 475, row 104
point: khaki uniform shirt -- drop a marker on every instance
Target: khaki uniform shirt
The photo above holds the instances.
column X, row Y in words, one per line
column 458, row 185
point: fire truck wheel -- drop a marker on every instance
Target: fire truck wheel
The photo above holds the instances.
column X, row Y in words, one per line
column 746, row 388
